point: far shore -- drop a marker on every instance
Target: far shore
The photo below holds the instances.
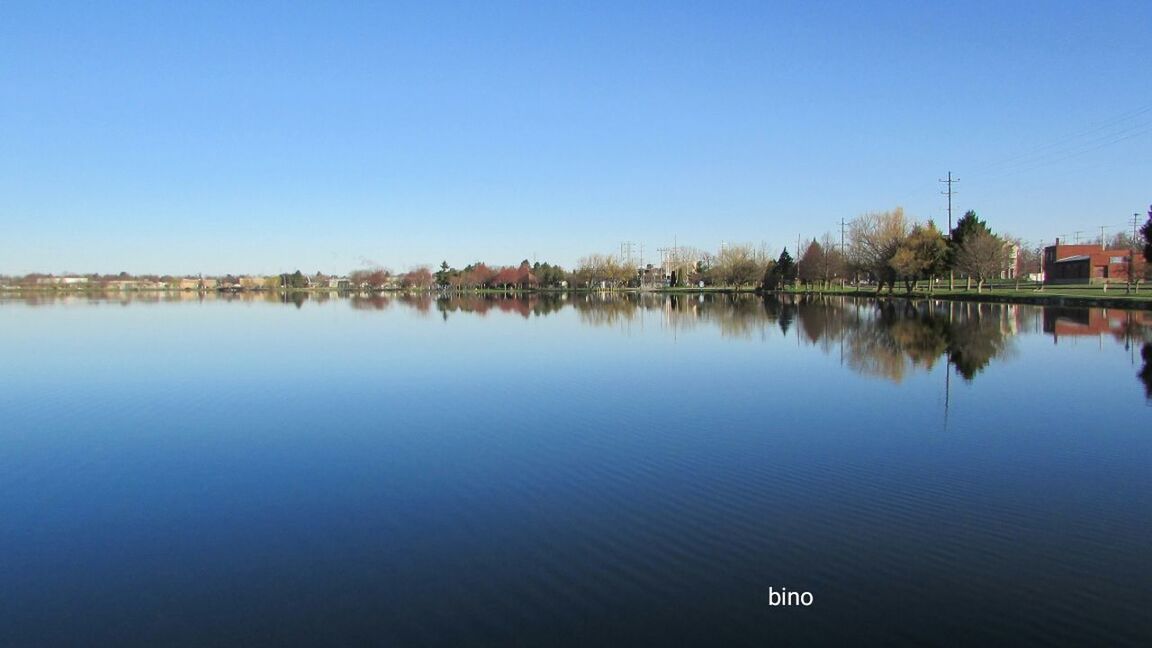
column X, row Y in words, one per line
column 1114, row 296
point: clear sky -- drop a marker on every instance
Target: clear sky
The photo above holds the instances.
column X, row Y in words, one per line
column 257, row 137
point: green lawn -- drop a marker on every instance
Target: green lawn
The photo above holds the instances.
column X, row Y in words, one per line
column 1007, row 291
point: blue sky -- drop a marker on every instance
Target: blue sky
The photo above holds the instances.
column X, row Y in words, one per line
column 260, row 137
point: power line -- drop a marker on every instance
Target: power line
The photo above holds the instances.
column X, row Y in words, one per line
column 1062, row 156
column 1102, row 134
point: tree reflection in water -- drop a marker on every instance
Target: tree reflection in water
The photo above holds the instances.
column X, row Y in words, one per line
column 374, row 301
column 1145, row 374
column 892, row 337
column 525, row 305
column 887, row 338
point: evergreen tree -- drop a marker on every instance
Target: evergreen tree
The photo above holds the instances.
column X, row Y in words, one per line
column 968, row 226
column 294, row 280
column 786, row 266
column 770, row 279
column 781, row 273
column 1146, row 232
column 443, row 274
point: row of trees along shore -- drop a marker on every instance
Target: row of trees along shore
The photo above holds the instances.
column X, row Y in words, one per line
column 885, row 249
column 888, row 249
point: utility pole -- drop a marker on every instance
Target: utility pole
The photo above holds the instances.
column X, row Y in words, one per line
column 1077, row 234
column 1132, row 255
column 797, row 264
column 950, row 181
column 1103, row 246
column 843, row 253
column 949, row 192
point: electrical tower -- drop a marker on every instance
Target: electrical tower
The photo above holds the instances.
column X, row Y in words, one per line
column 626, row 252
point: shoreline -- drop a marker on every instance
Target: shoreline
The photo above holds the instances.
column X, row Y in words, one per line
column 1051, row 296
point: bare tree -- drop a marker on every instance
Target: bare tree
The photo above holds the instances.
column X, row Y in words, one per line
column 982, row 256
column 832, row 264
column 1122, row 240
column 874, row 240
column 418, row 278
column 1030, row 260
column 596, row 268
column 738, row 265
column 588, row 269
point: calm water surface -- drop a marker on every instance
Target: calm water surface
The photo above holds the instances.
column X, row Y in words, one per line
column 572, row 471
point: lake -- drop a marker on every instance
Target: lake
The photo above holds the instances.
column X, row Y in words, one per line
column 581, row 470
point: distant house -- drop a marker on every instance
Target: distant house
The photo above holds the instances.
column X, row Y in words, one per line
column 1072, row 264
column 62, row 281
column 195, row 284
column 1012, row 267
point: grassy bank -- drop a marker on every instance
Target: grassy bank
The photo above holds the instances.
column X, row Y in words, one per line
column 1006, row 292
column 1001, row 292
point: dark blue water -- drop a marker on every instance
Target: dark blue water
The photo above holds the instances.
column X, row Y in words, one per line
column 581, row 471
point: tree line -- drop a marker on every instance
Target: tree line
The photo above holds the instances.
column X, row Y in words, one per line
column 885, row 249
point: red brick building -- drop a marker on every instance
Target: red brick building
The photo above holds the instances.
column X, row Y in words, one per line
column 1064, row 264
